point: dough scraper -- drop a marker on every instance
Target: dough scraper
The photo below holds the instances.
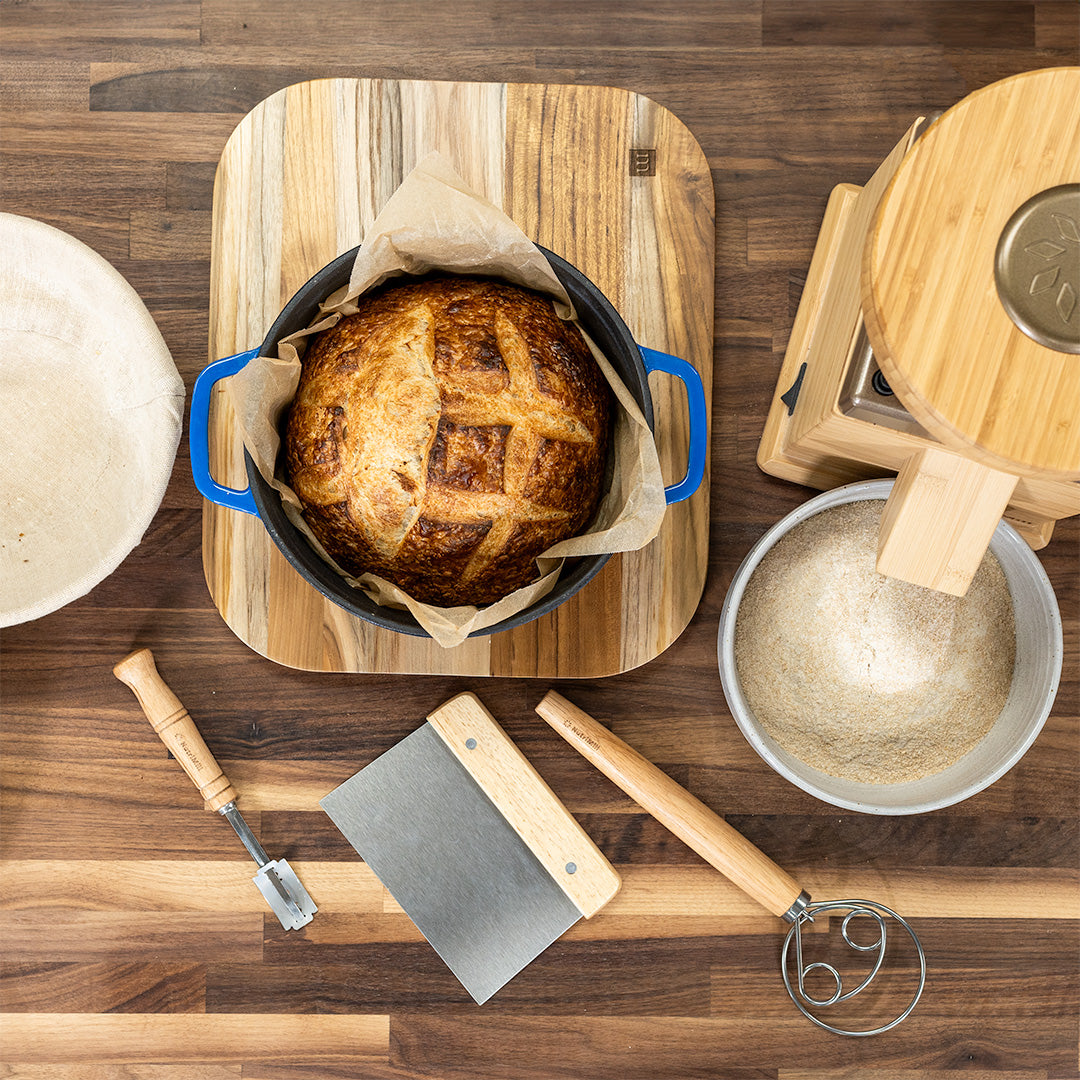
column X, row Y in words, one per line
column 473, row 844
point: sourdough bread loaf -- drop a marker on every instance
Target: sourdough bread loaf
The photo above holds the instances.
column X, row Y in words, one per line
column 446, row 434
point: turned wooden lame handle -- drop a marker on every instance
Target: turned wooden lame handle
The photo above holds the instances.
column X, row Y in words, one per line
column 674, row 807
column 175, row 728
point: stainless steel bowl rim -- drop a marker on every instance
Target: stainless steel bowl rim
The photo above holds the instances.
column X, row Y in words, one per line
column 856, row 492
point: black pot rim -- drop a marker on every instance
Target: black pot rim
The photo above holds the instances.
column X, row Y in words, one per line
column 600, row 320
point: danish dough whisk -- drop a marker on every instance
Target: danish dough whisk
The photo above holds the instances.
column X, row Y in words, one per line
column 749, row 868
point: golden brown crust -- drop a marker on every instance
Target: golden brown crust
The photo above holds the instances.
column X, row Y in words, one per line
column 446, row 434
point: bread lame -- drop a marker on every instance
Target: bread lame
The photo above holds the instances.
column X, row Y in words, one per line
column 276, row 880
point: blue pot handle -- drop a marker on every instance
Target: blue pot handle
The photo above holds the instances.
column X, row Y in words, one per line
column 199, row 435
column 699, row 426
column 233, row 499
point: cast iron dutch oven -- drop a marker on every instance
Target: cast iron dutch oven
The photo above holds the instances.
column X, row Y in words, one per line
column 601, row 322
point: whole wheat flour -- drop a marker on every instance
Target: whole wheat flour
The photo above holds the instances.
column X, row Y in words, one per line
column 866, row 677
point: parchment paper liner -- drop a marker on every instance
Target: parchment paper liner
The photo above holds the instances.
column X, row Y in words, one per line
column 434, row 222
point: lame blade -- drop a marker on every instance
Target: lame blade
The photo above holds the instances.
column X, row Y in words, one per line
column 289, row 899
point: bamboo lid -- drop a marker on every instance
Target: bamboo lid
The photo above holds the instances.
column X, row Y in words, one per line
column 939, row 329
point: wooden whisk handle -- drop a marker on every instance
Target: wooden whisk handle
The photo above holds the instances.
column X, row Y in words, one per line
column 675, row 808
column 175, row 728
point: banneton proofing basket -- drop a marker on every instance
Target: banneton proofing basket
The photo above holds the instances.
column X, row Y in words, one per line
column 600, row 320
column 1036, row 674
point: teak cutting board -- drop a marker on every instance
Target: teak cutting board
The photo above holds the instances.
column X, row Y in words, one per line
column 606, row 178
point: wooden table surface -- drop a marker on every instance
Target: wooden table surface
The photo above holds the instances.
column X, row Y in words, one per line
column 133, row 943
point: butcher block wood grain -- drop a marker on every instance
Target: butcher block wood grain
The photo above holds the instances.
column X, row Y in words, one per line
column 134, row 946
column 301, row 181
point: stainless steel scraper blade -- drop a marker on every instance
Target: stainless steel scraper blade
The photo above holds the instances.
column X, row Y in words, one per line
column 450, row 859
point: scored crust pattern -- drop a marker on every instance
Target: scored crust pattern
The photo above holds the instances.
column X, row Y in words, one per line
column 446, row 434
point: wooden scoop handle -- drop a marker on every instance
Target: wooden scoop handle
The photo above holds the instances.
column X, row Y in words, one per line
column 175, row 727
column 674, row 807
column 939, row 519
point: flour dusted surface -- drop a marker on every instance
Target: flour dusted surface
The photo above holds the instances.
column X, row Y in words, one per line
column 862, row 676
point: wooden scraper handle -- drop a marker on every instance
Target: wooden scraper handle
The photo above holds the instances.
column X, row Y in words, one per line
column 175, row 727
column 674, row 807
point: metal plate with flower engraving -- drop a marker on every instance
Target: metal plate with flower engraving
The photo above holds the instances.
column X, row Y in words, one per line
column 1037, row 268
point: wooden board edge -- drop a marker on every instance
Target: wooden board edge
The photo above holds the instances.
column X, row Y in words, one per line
column 450, row 668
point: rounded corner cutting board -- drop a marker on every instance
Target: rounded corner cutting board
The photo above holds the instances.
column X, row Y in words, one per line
column 606, row 178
